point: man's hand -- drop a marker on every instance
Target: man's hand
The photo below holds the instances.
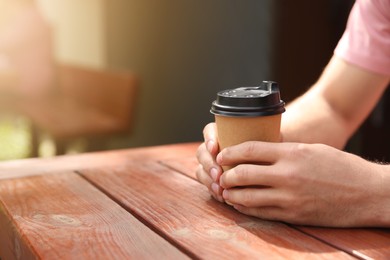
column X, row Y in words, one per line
column 310, row 184
column 209, row 172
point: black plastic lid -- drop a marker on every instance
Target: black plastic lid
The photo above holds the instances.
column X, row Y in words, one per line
column 263, row 100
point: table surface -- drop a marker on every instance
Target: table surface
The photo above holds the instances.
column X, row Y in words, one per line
column 145, row 203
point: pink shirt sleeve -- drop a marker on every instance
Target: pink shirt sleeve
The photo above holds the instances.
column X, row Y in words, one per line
column 366, row 40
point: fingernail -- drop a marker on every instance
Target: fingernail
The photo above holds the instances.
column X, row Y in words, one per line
column 220, row 182
column 214, row 174
column 237, row 207
column 219, row 198
column 225, row 194
column 215, row 188
column 227, row 202
column 210, row 145
column 219, row 158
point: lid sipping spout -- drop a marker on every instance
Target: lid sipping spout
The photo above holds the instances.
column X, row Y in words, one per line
column 270, row 86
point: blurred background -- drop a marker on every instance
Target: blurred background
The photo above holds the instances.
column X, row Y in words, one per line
column 181, row 53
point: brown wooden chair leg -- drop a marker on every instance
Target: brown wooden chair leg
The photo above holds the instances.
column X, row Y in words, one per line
column 35, row 136
column 96, row 144
column 60, row 146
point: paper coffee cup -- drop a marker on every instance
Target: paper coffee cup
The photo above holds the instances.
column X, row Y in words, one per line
column 248, row 114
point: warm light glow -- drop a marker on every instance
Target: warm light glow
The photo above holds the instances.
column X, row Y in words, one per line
column 79, row 30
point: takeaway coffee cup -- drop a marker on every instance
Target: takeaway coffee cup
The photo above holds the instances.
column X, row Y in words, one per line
column 248, row 114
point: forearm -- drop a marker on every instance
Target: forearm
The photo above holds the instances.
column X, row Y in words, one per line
column 310, row 119
column 332, row 110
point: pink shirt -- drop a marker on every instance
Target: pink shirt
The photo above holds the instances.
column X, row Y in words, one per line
column 366, row 40
column 26, row 47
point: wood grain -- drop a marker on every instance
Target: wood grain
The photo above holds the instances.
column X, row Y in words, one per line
column 182, row 211
column 53, row 165
column 185, row 165
column 48, row 212
column 363, row 243
column 10, row 245
column 62, row 216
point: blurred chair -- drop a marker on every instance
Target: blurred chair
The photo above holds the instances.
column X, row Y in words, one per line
column 89, row 103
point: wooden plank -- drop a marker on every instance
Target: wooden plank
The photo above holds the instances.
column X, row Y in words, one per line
column 63, row 216
column 10, row 245
column 181, row 209
column 363, row 243
column 186, row 165
column 53, row 165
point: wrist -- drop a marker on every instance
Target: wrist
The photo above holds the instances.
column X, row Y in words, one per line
column 380, row 210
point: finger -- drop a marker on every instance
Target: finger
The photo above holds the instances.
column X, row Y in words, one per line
column 204, row 178
column 249, row 175
column 219, row 198
column 211, row 138
column 253, row 197
column 268, row 213
column 205, row 158
column 208, row 163
column 252, row 152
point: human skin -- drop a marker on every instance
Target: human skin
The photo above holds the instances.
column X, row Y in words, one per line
column 307, row 179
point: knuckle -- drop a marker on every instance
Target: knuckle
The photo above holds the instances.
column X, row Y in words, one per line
column 250, row 149
column 237, row 176
column 290, row 174
column 247, row 199
column 241, row 173
column 224, row 180
column 204, row 158
column 199, row 151
column 202, row 176
column 199, row 172
column 305, row 151
column 202, row 154
column 206, row 128
column 300, row 150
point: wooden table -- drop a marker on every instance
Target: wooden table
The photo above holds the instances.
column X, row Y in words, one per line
column 146, row 203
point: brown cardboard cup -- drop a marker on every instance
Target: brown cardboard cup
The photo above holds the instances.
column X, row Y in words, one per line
column 236, row 130
column 248, row 114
